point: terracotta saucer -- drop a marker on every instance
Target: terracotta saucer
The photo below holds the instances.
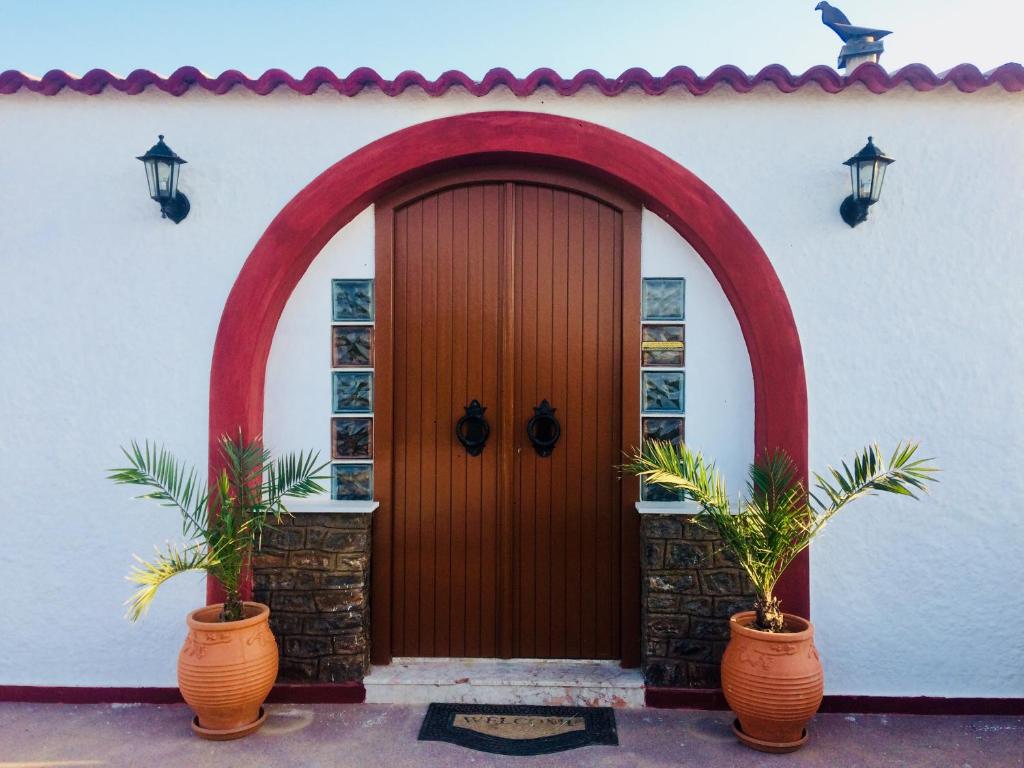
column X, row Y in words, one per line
column 768, row 746
column 231, row 733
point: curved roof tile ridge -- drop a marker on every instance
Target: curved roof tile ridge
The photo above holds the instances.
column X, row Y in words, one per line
column 965, row 77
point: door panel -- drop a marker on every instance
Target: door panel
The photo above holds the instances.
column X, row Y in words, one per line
column 508, row 293
column 447, row 272
column 567, row 351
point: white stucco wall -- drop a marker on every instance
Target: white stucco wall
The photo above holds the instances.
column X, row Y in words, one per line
column 908, row 323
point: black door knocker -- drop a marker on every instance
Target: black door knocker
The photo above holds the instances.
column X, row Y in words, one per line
column 472, row 430
column 543, row 429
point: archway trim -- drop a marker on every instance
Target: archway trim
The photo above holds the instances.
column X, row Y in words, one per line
column 305, row 225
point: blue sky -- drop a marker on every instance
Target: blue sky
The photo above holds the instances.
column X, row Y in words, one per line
column 394, row 35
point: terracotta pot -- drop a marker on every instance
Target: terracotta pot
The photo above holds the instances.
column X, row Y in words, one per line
column 226, row 670
column 772, row 681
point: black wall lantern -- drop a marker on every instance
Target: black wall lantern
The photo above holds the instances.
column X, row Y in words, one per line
column 162, row 168
column 867, row 170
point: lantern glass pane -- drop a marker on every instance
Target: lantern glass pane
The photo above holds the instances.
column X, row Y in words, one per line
column 876, row 185
column 163, row 179
column 151, row 177
column 172, row 187
column 864, row 176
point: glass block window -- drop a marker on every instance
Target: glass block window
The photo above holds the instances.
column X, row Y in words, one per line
column 663, row 369
column 352, row 481
column 671, row 430
column 353, row 392
column 353, row 300
column 652, row 492
column 352, row 438
column 663, row 345
column 664, row 298
column 663, row 391
column 352, row 358
column 352, row 345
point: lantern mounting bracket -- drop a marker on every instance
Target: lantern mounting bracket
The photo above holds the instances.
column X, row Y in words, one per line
column 176, row 208
column 854, row 211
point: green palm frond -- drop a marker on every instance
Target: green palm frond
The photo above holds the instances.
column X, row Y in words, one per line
column 224, row 522
column 871, row 474
column 663, row 463
column 295, row 476
column 779, row 518
column 150, row 575
column 173, row 483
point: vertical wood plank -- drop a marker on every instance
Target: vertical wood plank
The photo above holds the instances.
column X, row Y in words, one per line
column 412, row 436
column 543, row 364
column 604, row 428
column 459, row 397
column 573, row 431
column 560, row 498
column 429, row 330
column 477, row 584
column 443, row 419
column 507, row 445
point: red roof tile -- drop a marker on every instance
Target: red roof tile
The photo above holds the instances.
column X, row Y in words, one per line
column 965, row 77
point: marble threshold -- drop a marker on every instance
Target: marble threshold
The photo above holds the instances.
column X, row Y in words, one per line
column 549, row 682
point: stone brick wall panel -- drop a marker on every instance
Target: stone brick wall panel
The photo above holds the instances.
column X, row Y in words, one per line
column 691, row 586
column 314, row 573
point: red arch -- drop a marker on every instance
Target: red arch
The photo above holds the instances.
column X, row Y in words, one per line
column 315, row 214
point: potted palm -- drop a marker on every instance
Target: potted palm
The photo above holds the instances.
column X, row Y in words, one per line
column 228, row 663
column 771, row 675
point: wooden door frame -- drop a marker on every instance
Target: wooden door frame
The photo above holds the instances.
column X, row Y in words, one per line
column 383, row 551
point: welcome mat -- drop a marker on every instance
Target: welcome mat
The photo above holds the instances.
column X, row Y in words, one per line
column 519, row 730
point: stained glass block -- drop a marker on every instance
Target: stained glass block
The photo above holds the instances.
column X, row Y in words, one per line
column 352, row 481
column 655, row 492
column 664, row 298
column 353, row 392
column 352, row 438
column 663, row 391
column 663, row 345
column 671, row 430
column 352, row 345
column 353, row 299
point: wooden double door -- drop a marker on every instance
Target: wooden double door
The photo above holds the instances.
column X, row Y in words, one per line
column 506, row 289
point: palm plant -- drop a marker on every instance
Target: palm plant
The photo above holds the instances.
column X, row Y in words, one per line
column 778, row 518
column 222, row 523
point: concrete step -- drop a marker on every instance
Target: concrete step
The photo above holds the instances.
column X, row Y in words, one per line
column 546, row 682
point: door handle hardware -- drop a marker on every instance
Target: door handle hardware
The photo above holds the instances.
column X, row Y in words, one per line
column 543, row 429
column 472, row 429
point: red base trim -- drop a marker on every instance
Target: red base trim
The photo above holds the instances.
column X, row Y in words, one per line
column 712, row 698
column 313, row 693
column 318, row 693
column 73, row 694
column 685, row 698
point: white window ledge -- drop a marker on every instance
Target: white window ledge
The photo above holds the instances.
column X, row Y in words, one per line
column 667, row 507
column 330, row 506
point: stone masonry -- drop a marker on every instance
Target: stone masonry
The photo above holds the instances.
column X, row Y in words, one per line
column 691, row 586
column 314, row 571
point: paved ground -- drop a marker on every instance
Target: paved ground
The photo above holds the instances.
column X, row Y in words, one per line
column 368, row 735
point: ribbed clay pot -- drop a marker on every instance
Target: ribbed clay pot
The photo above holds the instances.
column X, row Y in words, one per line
column 226, row 670
column 772, row 681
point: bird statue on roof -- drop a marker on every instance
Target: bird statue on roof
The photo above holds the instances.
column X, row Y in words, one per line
column 836, row 20
column 861, row 44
